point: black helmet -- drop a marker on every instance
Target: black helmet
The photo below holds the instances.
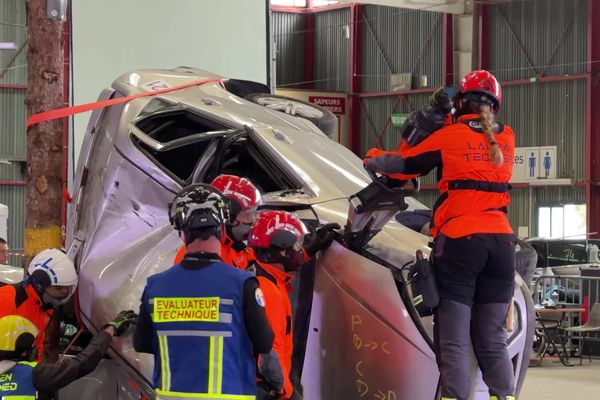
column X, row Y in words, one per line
column 199, row 208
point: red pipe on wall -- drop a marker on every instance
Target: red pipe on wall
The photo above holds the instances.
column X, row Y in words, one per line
column 13, row 183
column 448, row 51
column 12, row 86
column 309, row 49
column 355, row 81
column 592, row 132
column 484, row 35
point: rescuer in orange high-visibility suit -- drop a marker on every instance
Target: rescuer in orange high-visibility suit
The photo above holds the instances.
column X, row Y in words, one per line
column 51, row 281
column 244, row 200
column 276, row 239
column 474, row 243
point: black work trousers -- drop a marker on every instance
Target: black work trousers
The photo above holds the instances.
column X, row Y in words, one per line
column 475, row 276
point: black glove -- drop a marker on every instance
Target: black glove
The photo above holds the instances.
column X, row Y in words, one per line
column 440, row 100
column 321, row 239
column 266, row 391
column 122, row 321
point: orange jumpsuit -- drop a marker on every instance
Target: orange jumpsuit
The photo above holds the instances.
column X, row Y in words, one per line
column 473, row 191
column 474, row 249
column 275, row 285
column 24, row 301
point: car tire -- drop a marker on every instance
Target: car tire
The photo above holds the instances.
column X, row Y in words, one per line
column 323, row 119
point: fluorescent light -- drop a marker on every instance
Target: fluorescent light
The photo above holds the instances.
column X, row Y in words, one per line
column 8, row 46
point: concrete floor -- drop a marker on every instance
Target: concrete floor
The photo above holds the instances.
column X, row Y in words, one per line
column 554, row 381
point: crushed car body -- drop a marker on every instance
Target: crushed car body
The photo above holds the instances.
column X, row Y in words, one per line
column 356, row 332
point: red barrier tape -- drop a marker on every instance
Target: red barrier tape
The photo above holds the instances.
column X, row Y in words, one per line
column 68, row 111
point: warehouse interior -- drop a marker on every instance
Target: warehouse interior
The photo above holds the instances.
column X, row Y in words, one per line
column 100, row 187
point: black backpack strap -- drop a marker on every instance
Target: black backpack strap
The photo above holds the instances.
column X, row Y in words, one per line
column 20, row 294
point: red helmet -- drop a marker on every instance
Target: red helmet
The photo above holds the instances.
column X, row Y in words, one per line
column 482, row 82
column 243, row 193
column 277, row 229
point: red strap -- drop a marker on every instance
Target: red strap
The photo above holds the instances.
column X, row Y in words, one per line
column 68, row 111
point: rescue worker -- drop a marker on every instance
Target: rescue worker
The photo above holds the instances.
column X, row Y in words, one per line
column 51, row 281
column 474, row 244
column 22, row 379
column 276, row 239
column 244, row 200
column 203, row 320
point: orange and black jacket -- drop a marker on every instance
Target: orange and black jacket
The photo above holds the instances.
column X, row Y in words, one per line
column 474, row 193
column 232, row 253
column 22, row 299
column 275, row 285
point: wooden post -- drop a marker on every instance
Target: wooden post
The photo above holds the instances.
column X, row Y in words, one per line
column 45, row 79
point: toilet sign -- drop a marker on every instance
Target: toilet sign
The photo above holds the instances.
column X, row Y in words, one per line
column 533, row 163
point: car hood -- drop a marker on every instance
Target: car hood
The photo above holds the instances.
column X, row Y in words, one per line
column 295, row 144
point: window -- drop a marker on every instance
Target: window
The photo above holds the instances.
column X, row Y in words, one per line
column 302, row 3
column 289, row 3
column 174, row 138
column 564, row 221
column 321, row 3
column 241, row 157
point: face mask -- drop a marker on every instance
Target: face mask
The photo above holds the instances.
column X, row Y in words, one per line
column 240, row 232
column 294, row 261
column 56, row 302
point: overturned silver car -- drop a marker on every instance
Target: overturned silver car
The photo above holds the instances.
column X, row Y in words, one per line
column 356, row 332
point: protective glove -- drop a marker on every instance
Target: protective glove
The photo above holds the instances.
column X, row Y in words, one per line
column 123, row 321
column 387, row 163
column 266, row 391
column 322, row 238
column 269, row 367
column 440, row 100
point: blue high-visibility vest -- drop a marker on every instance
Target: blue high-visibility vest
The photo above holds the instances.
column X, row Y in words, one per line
column 201, row 348
column 17, row 382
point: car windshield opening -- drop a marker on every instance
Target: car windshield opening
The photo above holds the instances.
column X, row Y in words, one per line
column 175, row 138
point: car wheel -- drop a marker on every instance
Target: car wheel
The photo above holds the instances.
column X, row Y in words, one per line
column 324, row 119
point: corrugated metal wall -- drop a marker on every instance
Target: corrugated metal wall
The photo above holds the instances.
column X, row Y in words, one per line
column 397, row 40
column 13, row 29
column 539, row 25
column 288, row 33
column 554, row 36
column 13, row 114
column 332, row 51
column 550, row 114
column 375, row 120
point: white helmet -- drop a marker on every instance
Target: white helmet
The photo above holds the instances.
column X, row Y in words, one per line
column 52, row 267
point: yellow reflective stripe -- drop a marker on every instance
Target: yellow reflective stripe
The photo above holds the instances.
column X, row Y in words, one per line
column 507, row 398
column 211, row 365
column 166, row 395
column 448, row 398
column 18, row 397
column 165, row 371
column 219, row 364
column 29, row 363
